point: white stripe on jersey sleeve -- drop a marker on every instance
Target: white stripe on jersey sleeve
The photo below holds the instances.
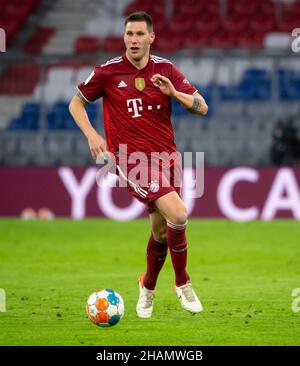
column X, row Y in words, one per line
column 157, row 59
column 112, row 61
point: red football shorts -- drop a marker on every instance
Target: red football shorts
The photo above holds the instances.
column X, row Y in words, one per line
column 149, row 182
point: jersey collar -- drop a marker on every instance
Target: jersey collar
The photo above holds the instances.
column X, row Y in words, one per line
column 131, row 65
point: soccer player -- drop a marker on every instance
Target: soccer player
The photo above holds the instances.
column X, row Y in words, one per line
column 136, row 89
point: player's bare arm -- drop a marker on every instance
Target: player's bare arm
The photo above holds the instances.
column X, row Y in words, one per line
column 194, row 103
column 97, row 144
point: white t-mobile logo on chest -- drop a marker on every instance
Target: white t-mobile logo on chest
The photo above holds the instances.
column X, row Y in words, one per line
column 136, row 106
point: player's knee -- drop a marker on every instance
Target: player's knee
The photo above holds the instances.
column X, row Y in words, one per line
column 179, row 217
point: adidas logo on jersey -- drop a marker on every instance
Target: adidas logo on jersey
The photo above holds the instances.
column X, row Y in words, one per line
column 122, row 84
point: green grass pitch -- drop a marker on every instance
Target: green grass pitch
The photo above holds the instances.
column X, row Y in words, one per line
column 244, row 273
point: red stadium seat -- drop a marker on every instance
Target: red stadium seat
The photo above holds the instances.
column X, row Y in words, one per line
column 289, row 22
column 13, row 15
column 169, row 43
column 207, row 23
column 244, row 7
column 251, row 40
column 159, row 26
column 188, row 8
column 199, row 39
column 224, row 39
column 262, row 24
column 37, row 41
column 267, row 8
column 86, row 44
column 20, row 79
column 113, row 44
column 290, row 8
column 158, row 11
column 156, row 7
column 212, row 7
column 236, row 24
column 180, row 25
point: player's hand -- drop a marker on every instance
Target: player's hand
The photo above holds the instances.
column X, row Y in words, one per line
column 164, row 84
column 97, row 145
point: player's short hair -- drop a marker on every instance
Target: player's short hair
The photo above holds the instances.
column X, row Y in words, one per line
column 140, row 16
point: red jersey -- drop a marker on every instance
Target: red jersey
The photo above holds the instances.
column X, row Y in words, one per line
column 135, row 111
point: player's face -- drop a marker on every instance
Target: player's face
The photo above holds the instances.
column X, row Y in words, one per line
column 137, row 40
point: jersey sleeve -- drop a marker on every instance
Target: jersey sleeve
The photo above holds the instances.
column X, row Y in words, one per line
column 94, row 86
column 180, row 82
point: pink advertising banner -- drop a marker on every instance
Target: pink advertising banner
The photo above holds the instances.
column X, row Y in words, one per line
column 239, row 193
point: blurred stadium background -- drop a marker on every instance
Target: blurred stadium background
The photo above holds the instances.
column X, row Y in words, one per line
column 238, row 53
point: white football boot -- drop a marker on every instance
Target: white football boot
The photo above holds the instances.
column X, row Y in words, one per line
column 188, row 298
column 145, row 302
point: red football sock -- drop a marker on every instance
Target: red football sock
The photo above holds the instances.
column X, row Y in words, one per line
column 177, row 244
column 156, row 256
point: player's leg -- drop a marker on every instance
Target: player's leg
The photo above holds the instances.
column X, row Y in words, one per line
column 156, row 254
column 174, row 211
column 157, row 249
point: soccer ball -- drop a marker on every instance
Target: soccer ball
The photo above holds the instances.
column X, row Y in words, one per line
column 105, row 307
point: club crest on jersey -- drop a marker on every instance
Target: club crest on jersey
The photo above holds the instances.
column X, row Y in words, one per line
column 153, row 187
column 140, row 84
